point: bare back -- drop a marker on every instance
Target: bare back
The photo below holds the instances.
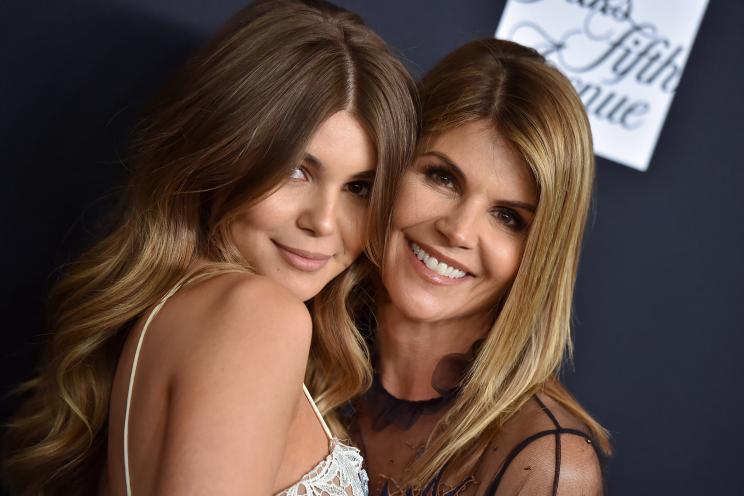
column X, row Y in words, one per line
column 218, row 389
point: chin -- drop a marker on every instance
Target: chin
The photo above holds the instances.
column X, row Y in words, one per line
column 418, row 308
column 302, row 288
column 305, row 292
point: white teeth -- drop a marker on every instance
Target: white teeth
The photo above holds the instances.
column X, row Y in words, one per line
column 432, row 263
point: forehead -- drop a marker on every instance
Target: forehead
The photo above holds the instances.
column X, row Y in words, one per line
column 485, row 158
column 342, row 145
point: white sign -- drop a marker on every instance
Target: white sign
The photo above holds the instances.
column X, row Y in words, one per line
column 624, row 57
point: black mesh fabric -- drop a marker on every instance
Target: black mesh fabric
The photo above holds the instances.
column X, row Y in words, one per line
column 541, row 450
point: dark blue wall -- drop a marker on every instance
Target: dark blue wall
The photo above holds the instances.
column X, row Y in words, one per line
column 659, row 305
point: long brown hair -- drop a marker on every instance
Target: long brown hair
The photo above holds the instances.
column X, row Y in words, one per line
column 226, row 132
column 535, row 108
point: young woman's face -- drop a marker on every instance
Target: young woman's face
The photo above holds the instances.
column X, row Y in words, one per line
column 311, row 228
column 460, row 223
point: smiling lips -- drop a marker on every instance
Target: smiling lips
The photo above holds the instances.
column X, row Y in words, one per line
column 303, row 260
column 433, row 269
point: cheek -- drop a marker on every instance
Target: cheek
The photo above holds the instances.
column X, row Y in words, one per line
column 265, row 216
column 502, row 258
column 414, row 203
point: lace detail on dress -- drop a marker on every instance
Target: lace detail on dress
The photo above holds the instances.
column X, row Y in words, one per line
column 339, row 474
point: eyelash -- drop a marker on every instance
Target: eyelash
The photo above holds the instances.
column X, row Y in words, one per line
column 515, row 221
column 440, row 176
column 366, row 185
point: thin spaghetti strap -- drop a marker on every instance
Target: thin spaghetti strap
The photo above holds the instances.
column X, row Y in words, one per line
column 317, row 413
column 190, row 279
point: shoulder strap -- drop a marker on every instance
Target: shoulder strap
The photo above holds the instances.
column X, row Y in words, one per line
column 130, row 388
column 317, row 412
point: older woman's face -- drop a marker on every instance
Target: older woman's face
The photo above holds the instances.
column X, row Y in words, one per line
column 461, row 219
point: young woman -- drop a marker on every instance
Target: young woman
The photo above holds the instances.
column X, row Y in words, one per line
column 254, row 183
column 472, row 321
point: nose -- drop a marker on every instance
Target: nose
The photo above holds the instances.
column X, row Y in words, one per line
column 459, row 225
column 318, row 215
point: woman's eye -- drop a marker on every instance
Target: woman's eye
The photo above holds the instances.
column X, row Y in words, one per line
column 509, row 218
column 361, row 189
column 298, row 174
column 441, row 177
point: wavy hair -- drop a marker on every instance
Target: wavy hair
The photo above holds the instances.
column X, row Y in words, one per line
column 535, row 108
column 226, row 132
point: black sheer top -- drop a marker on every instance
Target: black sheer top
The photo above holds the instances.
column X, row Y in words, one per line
column 541, row 450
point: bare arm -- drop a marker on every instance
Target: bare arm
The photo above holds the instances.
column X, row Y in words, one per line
column 235, row 393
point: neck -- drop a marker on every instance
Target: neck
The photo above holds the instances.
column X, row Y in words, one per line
column 409, row 350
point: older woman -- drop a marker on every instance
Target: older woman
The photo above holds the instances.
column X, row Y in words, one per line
column 472, row 319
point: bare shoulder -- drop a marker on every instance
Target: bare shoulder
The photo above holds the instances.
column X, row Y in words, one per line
column 235, row 384
column 247, row 297
column 245, row 319
column 238, row 311
column 230, row 318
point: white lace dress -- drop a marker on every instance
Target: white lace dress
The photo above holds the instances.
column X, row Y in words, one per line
column 339, row 474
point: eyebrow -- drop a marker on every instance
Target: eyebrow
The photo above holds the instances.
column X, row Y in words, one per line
column 309, row 157
column 364, row 175
column 518, row 204
column 461, row 175
column 451, row 164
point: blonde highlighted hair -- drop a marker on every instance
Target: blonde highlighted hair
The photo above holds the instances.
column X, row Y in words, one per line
column 535, row 108
column 225, row 133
